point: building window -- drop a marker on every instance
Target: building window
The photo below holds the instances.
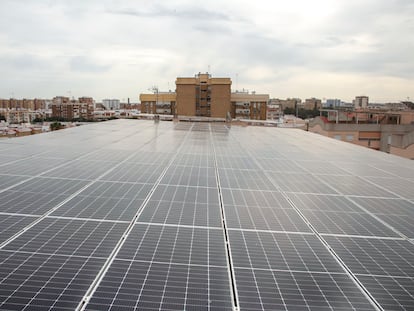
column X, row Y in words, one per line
column 338, row 137
column 349, row 137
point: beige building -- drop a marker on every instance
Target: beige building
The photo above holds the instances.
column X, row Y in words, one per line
column 361, row 102
column 274, row 110
column 312, row 104
column 287, row 103
column 247, row 105
column 158, row 103
column 389, row 133
column 17, row 116
column 203, row 96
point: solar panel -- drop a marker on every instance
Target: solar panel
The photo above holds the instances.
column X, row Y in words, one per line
column 132, row 215
column 69, row 237
column 7, row 181
column 44, row 282
column 288, row 290
column 11, row 224
column 390, row 257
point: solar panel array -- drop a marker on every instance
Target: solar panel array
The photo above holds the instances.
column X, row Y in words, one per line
column 132, row 215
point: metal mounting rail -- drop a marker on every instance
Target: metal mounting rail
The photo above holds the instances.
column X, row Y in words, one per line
column 232, row 277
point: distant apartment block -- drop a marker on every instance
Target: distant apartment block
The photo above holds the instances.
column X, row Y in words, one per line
column 274, row 110
column 290, row 103
column 247, row 105
column 158, row 103
column 18, row 116
column 111, row 104
column 360, row 102
column 63, row 107
column 333, row 103
column 312, row 104
column 391, row 132
column 205, row 96
column 86, row 100
column 28, row 104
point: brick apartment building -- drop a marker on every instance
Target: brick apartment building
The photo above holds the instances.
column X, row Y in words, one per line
column 28, row 104
column 247, row 105
column 158, row 103
column 205, row 96
column 63, row 107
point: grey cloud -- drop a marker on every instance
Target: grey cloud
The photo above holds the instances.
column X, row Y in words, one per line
column 86, row 64
column 177, row 12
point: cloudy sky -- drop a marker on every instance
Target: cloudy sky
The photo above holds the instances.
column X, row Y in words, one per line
column 295, row 48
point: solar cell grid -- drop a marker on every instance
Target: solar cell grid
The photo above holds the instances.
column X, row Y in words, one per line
column 29, row 202
column 356, row 168
column 264, row 218
column 302, row 183
column 353, row 185
column 185, row 194
column 190, row 176
column 11, row 224
column 7, row 181
column 279, row 165
column 69, row 237
column 392, row 293
column 253, row 198
column 99, row 208
column 87, row 170
column 51, row 186
column 44, row 282
column 182, row 213
column 397, row 213
column 146, row 157
column 402, row 168
column 321, row 168
column 347, row 223
column 328, row 203
column 244, row 179
column 116, row 190
column 375, row 256
column 175, row 244
column 282, row 290
column 19, row 149
column 31, row 168
column 240, row 163
column 106, row 200
column 155, row 286
column 136, row 172
column 281, row 251
column 399, row 187
column 197, row 160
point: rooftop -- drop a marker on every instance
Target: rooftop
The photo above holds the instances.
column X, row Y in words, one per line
column 133, row 215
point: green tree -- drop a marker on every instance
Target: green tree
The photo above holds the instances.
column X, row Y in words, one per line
column 56, row 126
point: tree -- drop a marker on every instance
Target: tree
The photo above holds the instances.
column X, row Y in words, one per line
column 56, row 126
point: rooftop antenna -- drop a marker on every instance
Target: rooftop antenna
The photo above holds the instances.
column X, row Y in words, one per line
column 237, row 81
column 208, row 69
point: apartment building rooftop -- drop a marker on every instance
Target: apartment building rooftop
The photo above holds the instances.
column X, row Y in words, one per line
column 137, row 215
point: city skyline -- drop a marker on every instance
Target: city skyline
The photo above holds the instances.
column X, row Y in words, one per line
column 325, row 49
